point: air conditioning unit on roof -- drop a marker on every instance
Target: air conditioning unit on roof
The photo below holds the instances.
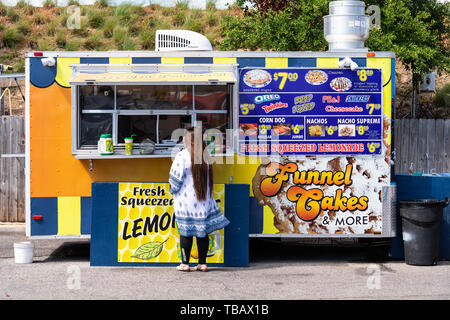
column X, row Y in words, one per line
column 181, row 40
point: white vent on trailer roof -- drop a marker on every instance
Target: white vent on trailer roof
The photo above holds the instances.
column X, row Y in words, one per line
column 181, row 40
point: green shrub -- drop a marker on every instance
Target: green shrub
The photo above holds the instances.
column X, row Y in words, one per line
column 73, row 3
column 25, row 7
column 101, row 4
column 3, row 9
column 43, row 45
column 19, row 67
column 82, row 31
column 119, row 36
column 295, row 28
column 93, row 42
column 442, row 96
column 73, row 45
column 211, row 19
column 179, row 18
column 128, row 13
column 60, row 39
column 182, row 5
column 108, row 28
column 40, row 18
column 193, row 23
column 95, row 18
column 147, row 38
column 128, row 44
column 51, row 28
column 12, row 14
column 49, row 4
column 11, row 38
column 23, row 27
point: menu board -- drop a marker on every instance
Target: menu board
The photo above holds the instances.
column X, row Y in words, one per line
column 298, row 111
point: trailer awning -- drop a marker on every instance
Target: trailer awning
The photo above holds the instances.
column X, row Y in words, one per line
column 154, row 74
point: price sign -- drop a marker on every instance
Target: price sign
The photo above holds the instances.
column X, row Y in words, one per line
column 311, row 111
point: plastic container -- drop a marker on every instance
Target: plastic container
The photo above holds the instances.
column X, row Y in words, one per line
column 105, row 145
column 421, row 222
column 23, row 252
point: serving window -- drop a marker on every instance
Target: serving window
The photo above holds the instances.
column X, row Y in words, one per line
column 150, row 101
column 150, row 112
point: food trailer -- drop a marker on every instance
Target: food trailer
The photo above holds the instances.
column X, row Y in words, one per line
column 300, row 141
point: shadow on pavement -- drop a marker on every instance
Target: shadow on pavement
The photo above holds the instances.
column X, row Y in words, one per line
column 275, row 250
column 72, row 251
column 263, row 250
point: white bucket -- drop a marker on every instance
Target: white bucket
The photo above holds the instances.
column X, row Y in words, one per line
column 23, row 252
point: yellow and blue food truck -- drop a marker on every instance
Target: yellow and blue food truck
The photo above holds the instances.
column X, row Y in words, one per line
column 301, row 146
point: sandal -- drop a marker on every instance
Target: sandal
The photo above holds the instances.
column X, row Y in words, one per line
column 201, row 267
column 183, row 267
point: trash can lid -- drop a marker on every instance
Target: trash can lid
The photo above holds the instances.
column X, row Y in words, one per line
column 425, row 202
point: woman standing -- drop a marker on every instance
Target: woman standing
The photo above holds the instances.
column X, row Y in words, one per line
column 195, row 210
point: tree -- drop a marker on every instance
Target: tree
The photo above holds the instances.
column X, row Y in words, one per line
column 283, row 26
column 417, row 31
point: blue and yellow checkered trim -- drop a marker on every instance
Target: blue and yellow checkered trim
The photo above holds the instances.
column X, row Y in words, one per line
column 43, row 77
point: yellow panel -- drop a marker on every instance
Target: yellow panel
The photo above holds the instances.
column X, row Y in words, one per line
column 120, row 60
column 69, row 215
column 276, row 62
column 268, row 227
column 175, row 60
column 224, row 60
column 385, row 65
column 327, row 62
column 63, row 72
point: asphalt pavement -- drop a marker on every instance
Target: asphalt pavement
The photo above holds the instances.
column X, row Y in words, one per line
column 277, row 271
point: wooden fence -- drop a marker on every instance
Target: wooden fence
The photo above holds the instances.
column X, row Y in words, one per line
column 12, row 169
column 413, row 138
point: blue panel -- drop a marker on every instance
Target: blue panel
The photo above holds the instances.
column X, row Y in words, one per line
column 105, row 199
column 41, row 76
column 256, row 216
column 361, row 62
column 302, row 62
column 146, row 60
column 105, row 224
column 199, row 60
column 251, row 62
column 86, row 215
column 237, row 209
column 47, row 207
column 393, row 79
column 94, row 60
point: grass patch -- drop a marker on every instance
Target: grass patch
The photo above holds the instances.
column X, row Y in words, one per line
column 11, row 38
column 103, row 26
column 147, row 38
column 96, row 18
column 73, row 44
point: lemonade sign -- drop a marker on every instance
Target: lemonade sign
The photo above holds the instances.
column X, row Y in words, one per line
column 147, row 227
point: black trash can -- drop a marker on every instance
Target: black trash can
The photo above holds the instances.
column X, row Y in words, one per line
column 421, row 221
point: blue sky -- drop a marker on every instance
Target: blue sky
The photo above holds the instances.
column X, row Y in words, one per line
column 220, row 4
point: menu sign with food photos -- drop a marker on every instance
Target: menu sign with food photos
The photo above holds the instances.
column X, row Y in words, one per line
column 310, row 111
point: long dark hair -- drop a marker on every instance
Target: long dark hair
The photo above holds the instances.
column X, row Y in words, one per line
column 200, row 166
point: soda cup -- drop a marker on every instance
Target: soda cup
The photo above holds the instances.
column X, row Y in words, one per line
column 128, row 146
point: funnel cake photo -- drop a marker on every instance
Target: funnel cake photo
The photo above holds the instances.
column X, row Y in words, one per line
column 368, row 177
column 316, row 77
column 257, row 78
